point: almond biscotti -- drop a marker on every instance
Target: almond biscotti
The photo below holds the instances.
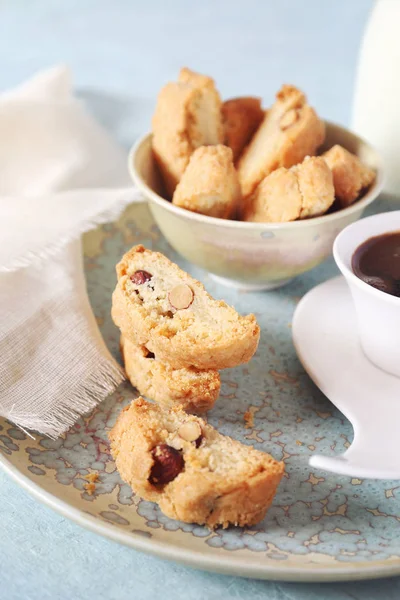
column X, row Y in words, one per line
column 210, row 184
column 157, row 305
column 191, row 471
column 315, row 186
column 241, row 118
column 290, row 131
column 350, row 176
column 198, row 80
column 195, row 391
column 306, row 190
column 187, row 115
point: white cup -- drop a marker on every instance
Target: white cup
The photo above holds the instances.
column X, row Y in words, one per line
column 378, row 313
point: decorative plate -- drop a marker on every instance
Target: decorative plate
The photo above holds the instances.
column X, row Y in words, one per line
column 320, row 527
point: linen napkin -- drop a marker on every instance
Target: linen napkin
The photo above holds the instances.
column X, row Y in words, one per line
column 60, row 175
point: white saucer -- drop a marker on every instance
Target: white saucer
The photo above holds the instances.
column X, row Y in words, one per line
column 326, row 341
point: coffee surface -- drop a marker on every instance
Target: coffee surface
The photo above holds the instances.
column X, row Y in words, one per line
column 377, row 262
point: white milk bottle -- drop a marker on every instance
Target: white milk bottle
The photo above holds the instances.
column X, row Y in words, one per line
column 376, row 108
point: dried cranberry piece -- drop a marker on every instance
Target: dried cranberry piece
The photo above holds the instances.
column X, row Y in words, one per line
column 140, row 277
column 168, row 463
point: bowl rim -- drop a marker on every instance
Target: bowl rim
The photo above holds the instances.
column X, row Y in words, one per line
column 360, row 205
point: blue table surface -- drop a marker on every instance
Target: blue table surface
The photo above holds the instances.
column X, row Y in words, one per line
column 121, row 52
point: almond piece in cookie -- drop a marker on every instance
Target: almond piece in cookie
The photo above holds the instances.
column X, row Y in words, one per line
column 187, row 115
column 210, row 184
column 350, row 176
column 241, row 118
column 194, row 331
column 196, row 391
column 290, row 131
column 305, row 190
column 211, row 480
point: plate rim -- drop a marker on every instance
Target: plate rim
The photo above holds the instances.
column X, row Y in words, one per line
column 227, row 565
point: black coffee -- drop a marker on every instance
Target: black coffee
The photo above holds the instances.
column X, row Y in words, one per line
column 377, row 262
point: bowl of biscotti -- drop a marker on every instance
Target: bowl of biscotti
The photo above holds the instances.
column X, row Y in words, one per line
column 255, row 196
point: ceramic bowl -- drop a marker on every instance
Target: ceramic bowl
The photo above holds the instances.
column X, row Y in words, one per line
column 251, row 255
column 378, row 313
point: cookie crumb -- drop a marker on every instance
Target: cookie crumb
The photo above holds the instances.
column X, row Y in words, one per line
column 249, row 419
column 92, row 477
column 90, row 488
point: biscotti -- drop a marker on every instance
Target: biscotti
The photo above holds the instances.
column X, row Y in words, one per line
column 210, row 184
column 241, row 118
column 191, row 471
column 350, row 176
column 187, row 115
column 195, row 391
column 290, row 131
column 315, row 186
column 157, row 305
column 200, row 81
column 306, row 190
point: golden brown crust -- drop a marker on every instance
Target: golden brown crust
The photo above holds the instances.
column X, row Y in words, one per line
column 196, row 391
column 290, row 131
column 187, row 115
column 195, row 79
column 223, row 482
column 276, row 200
column 241, row 118
column 206, row 126
column 350, row 175
column 315, row 186
column 306, row 190
column 210, row 184
column 209, row 334
column 171, row 142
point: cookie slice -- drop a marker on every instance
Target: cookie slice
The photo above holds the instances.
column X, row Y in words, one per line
column 187, row 115
column 191, row 471
column 157, row 305
column 290, row 131
column 198, row 80
column 304, row 191
column 350, row 176
column 208, row 125
column 210, row 184
column 195, row 391
column 241, row 118
column 276, row 200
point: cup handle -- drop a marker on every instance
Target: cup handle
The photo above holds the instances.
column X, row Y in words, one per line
column 374, row 453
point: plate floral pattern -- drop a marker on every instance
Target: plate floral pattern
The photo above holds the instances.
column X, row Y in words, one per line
column 320, row 526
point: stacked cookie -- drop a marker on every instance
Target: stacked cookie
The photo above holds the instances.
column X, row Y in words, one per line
column 233, row 160
column 175, row 337
column 193, row 389
column 194, row 473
